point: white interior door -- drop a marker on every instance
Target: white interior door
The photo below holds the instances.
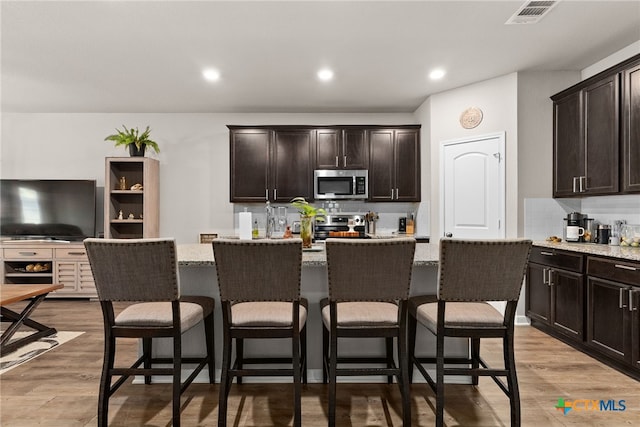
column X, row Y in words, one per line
column 472, row 187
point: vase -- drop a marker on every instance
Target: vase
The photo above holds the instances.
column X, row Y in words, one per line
column 134, row 151
column 306, row 230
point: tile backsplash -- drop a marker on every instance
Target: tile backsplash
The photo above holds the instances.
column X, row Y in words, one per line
column 544, row 217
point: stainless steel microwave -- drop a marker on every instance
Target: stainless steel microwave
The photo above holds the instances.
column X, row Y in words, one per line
column 330, row 184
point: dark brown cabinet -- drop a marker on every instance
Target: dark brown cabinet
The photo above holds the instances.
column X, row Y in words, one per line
column 586, row 139
column 555, row 291
column 250, row 164
column 613, row 319
column 272, row 165
column 394, row 165
column 291, row 167
column 596, row 137
column 341, row 149
column 631, row 129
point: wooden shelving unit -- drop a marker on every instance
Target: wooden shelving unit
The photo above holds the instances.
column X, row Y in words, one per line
column 143, row 205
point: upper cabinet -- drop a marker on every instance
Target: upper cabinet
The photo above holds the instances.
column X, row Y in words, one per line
column 631, row 128
column 276, row 163
column 341, row 149
column 269, row 164
column 394, row 167
column 588, row 145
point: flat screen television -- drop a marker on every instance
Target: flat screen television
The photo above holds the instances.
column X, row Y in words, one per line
column 57, row 209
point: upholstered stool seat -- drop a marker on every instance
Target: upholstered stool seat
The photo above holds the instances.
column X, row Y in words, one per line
column 361, row 314
column 158, row 314
column 267, row 314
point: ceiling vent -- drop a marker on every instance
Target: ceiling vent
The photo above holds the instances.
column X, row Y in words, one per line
column 531, row 12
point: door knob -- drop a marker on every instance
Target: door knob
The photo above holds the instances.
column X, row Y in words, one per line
column 448, row 234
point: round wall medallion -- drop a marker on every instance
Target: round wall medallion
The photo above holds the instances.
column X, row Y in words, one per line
column 471, row 117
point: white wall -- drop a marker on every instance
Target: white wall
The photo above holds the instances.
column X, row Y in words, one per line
column 611, row 60
column 535, row 133
column 497, row 98
column 194, row 158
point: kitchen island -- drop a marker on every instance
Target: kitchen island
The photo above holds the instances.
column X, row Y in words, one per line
column 198, row 277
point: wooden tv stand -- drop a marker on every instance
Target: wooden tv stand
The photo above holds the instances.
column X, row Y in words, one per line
column 59, row 262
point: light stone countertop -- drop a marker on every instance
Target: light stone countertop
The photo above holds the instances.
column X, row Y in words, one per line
column 201, row 255
column 619, row 252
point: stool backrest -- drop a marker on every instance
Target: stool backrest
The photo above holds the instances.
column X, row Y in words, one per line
column 258, row 270
column 482, row 270
column 134, row 269
column 370, row 269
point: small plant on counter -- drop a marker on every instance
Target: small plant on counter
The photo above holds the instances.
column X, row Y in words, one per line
column 132, row 138
column 308, row 213
column 308, row 210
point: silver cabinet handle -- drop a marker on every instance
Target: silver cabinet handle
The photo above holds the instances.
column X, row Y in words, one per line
column 266, row 194
column 344, row 161
column 275, row 194
column 631, row 306
column 620, row 298
column 625, row 267
column 546, row 253
column 550, row 279
column 336, row 161
column 28, row 253
column 392, row 194
column 575, row 187
column 544, row 276
column 583, row 188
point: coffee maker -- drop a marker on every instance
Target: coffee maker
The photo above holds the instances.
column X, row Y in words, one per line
column 580, row 226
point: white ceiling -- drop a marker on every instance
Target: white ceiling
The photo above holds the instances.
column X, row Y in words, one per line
column 147, row 56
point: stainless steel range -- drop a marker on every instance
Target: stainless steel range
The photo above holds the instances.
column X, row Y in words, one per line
column 338, row 225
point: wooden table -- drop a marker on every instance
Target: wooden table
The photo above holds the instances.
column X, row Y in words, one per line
column 15, row 293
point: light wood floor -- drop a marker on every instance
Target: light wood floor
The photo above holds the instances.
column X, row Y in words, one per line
column 60, row 388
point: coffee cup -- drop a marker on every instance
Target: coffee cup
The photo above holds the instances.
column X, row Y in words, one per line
column 574, row 233
column 614, row 241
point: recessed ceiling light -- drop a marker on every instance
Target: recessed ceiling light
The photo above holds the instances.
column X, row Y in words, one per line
column 325, row 74
column 211, row 74
column 437, row 74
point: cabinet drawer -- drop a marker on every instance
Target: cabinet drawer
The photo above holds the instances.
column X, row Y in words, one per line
column 557, row 258
column 27, row 253
column 614, row 270
column 72, row 253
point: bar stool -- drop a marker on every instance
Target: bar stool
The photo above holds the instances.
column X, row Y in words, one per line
column 259, row 283
column 471, row 273
column 369, row 284
column 144, row 271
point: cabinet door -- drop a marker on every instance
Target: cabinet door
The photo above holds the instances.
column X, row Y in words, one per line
column 567, row 303
column 407, row 165
column 381, row 165
column 291, row 167
column 607, row 325
column 66, row 273
column 568, row 144
column 538, row 293
column 601, row 117
column 355, row 150
column 249, row 154
column 635, row 327
column 328, row 142
column 631, row 130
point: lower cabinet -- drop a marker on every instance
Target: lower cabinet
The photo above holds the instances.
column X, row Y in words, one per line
column 63, row 263
column 555, row 291
column 613, row 318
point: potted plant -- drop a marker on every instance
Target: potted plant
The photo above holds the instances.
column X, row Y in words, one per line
column 136, row 141
column 308, row 213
